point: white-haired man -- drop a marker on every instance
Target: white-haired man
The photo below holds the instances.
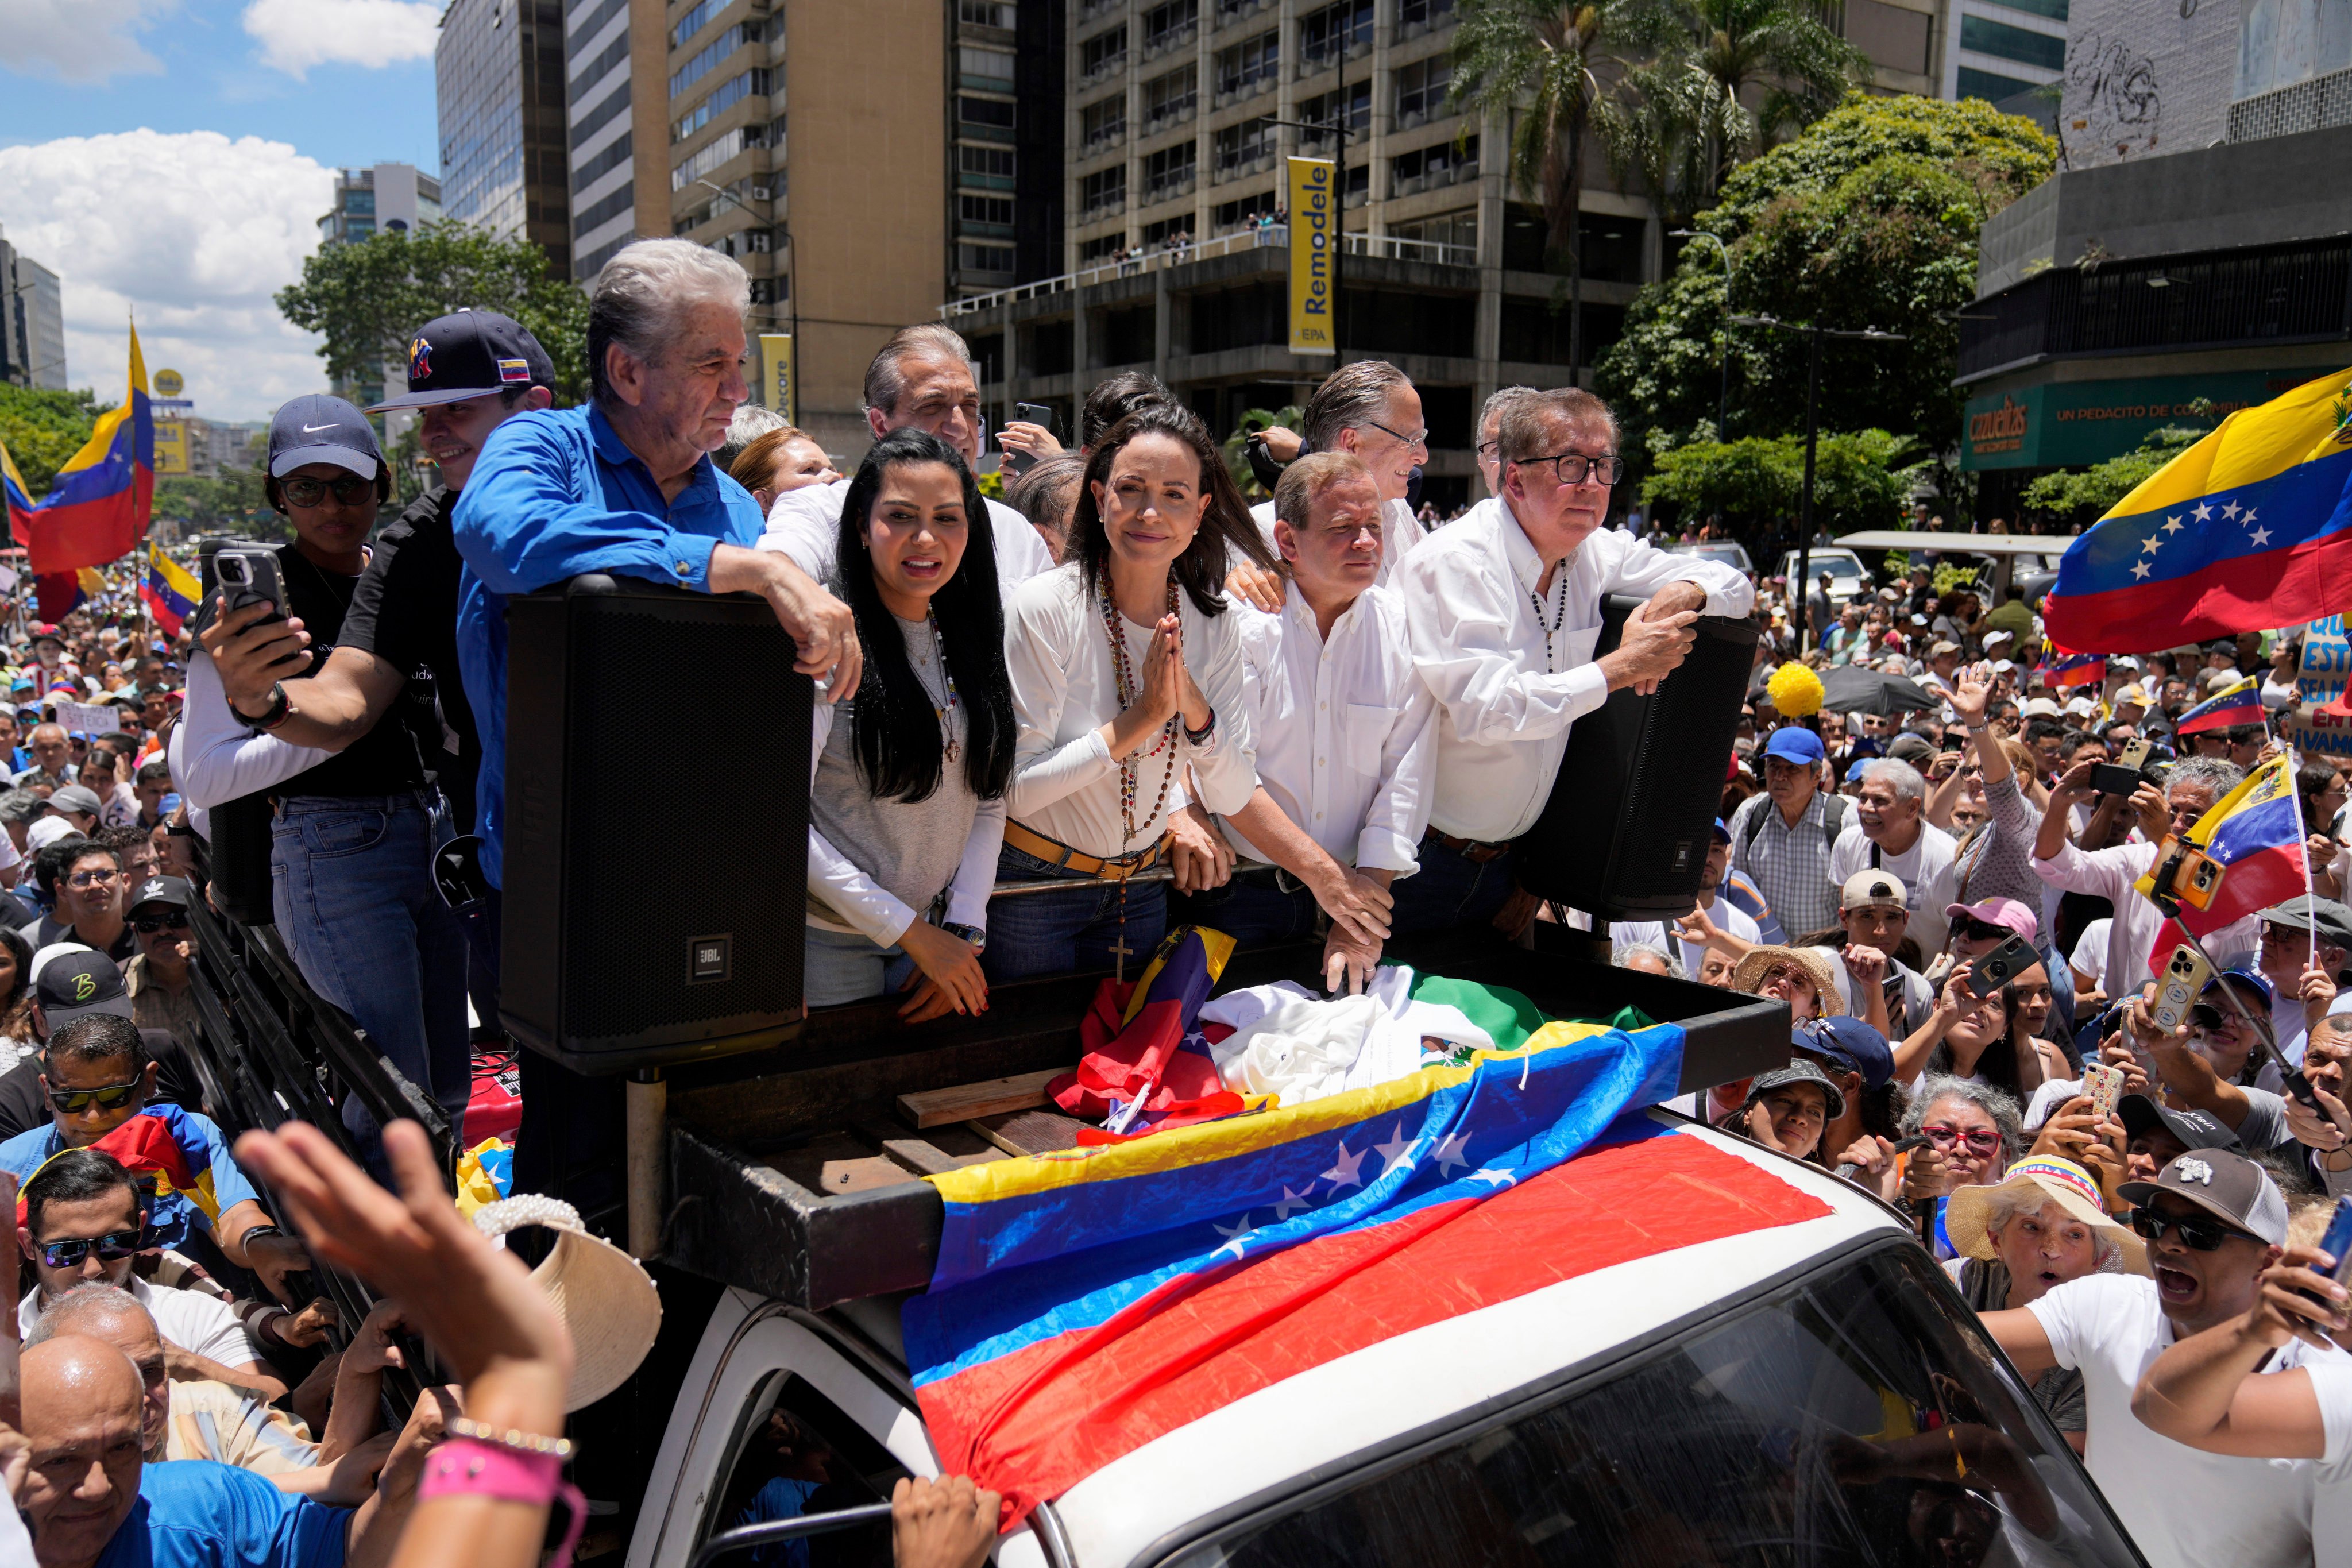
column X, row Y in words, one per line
column 1890, row 834
column 921, row 380
column 1505, row 614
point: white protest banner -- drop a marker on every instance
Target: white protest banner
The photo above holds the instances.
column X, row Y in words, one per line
column 2326, row 665
column 89, row 718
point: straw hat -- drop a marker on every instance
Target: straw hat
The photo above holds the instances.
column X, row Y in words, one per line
column 605, row 1299
column 2077, row 1193
column 1751, row 970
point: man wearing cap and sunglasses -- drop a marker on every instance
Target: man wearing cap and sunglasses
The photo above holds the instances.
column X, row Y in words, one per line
column 157, row 979
column 2212, row 1221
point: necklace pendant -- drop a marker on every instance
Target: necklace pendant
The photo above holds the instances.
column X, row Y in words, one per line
column 955, row 750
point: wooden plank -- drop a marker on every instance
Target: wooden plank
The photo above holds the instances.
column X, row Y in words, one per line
column 927, row 1158
column 861, row 1175
column 1030, row 1131
column 968, row 1101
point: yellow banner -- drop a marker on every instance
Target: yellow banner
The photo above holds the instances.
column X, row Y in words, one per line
column 778, row 389
column 171, row 449
column 1314, row 232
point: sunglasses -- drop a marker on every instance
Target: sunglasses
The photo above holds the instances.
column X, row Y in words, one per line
column 74, row 1101
column 148, row 925
column 114, row 1245
column 2198, row 1233
column 350, row 490
column 1983, row 931
column 1980, row 1139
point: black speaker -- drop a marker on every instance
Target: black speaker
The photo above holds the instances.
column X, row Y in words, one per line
column 1625, row 832
column 638, row 931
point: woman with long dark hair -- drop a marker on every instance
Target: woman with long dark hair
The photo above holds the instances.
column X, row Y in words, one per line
column 907, row 792
column 1126, row 678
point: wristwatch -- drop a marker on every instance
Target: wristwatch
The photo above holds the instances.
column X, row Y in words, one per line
column 975, row 936
column 280, row 706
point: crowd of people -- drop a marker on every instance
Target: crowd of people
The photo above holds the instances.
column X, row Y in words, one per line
column 1052, row 727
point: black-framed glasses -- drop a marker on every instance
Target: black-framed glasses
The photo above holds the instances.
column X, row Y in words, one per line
column 113, row 1246
column 2199, row 1233
column 350, row 490
column 1574, row 468
column 107, row 1097
column 148, row 925
column 1490, row 448
column 1421, row 440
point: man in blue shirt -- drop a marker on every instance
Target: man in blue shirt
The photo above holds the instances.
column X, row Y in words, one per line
column 627, row 486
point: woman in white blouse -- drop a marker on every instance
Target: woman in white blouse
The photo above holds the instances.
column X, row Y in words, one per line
column 907, row 777
column 1127, row 679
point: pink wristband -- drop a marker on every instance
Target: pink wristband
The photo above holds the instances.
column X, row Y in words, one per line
column 463, row 1467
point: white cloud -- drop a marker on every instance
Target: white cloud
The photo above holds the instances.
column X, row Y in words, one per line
column 193, row 232
column 296, row 35
column 80, row 40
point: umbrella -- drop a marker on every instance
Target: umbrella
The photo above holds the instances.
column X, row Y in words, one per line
column 1850, row 688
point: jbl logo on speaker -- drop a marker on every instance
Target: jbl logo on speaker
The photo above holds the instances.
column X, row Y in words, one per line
column 1682, row 856
column 712, row 958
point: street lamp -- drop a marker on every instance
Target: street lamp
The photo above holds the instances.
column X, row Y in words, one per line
column 1723, row 357
column 792, row 290
column 1814, row 331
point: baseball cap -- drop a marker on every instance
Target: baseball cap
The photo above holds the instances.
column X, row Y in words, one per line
column 1911, row 748
column 1993, row 637
column 2123, row 661
column 1723, row 829
column 2223, row 645
column 50, row 830
column 1937, row 649
column 2005, row 912
column 2252, row 980
column 73, row 982
column 2135, row 696
column 1799, row 1071
column 317, row 428
column 1850, row 1045
column 466, row 354
column 1873, row 889
column 2331, row 919
column 2140, row 1114
column 1795, row 744
column 172, row 890
column 2081, row 707
column 2040, row 708
column 2228, row 1186
column 76, row 797
column 1854, row 774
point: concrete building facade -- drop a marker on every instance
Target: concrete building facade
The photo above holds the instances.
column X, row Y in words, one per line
column 31, row 321
column 499, row 82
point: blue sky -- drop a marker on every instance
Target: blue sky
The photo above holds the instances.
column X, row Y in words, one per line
column 170, row 159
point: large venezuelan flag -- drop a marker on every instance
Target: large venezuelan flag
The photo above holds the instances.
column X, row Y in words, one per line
column 1085, row 1303
column 2249, row 529
column 170, row 593
column 97, row 507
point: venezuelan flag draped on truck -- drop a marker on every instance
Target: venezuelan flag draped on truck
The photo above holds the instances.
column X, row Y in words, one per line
column 1086, row 1303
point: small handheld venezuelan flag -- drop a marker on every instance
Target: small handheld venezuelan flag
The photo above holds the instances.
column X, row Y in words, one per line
column 2225, row 709
column 2076, row 669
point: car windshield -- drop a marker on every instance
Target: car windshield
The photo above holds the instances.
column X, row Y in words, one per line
column 1851, row 1420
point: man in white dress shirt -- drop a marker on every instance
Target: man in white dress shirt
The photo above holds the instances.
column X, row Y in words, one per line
column 1345, row 733
column 1504, row 611
column 922, row 380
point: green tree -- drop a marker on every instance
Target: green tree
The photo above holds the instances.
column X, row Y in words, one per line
column 1535, row 66
column 1860, row 479
column 229, row 501
column 1870, row 218
column 2082, row 495
column 42, row 429
column 368, row 299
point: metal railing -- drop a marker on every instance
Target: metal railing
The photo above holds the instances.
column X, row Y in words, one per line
column 1387, row 247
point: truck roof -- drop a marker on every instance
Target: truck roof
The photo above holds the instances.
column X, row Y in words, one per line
column 1287, row 1435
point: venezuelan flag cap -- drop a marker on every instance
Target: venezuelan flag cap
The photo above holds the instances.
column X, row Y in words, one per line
column 468, row 355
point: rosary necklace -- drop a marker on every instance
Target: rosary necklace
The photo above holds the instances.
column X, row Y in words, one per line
column 1123, row 678
column 1559, row 614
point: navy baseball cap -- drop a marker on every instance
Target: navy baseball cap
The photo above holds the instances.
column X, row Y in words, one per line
column 470, row 355
column 1848, row 1045
column 1795, row 744
column 318, row 428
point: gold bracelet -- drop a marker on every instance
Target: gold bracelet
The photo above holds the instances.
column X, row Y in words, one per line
column 514, row 1437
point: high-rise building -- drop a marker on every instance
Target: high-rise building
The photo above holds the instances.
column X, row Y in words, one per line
column 1004, row 137
column 31, row 321
column 389, row 198
column 498, row 78
column 2001, row 51
column 616, row 64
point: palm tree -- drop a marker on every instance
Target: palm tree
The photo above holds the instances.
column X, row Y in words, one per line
column 1535, row 65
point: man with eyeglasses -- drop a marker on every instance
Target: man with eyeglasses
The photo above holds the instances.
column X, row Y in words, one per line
column 89, row 906
column 2212, row 1221
column 84, row 1223
column 157, row 979
column 1504, row 611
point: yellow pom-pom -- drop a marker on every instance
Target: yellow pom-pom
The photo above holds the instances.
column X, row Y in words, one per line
column 1795, row 690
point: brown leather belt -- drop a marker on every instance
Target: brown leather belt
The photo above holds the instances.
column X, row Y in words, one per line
column 1117, row 868
column 1470, row 849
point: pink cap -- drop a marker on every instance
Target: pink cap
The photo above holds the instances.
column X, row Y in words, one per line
column 2006, row 912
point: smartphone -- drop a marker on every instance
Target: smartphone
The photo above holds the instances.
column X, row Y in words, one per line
column 2338, row 1244
column 1018, row 463
column 2177, row 988
column 248, row 575
column 2121, row 777
column 2003, row 964
column 2103, row 1082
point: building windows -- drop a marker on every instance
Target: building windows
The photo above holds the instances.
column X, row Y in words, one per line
column 1233, row 214
column 1415, row 18
column 1171, row 97
column 984, row 119
column 991, row 216
column 614, row 155
column 1987, row 36
column 1239, row 146
column 615, row 102
column 1251, row 64
column 753, row 83
column 1103, row 191
column 987, row 13
column 1167, row 24
column 1420, row 91
column 706, row 59
column 1103, row 53
column 1459, row 229
column 589, row 218
column 991, row 70
column 1333, row 34
column 1426, row 168
column 710, row 158
column 1167, row 172
column 1101, row 124
column 984, row 257
column 1992, row 88
column 693, row 22
column 1089, row 250
column 990, row 166
column 1349, row 106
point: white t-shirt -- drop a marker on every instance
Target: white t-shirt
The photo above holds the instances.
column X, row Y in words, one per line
column 188, row 1319
column 1729, row 919
column 1925, row 870
column 2184, row 1508
column 2090, row 954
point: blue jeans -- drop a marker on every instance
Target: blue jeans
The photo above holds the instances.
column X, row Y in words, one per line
column 1062, row 933
column 1449, row 890
column 843, row 966
column 352, row 888
column 1251, row 908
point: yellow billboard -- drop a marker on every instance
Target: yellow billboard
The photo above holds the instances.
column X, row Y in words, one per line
column 779, row 390
column 171, row 449
column 1314, row 231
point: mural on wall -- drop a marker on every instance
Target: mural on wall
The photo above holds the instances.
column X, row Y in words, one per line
column 2111, row 106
